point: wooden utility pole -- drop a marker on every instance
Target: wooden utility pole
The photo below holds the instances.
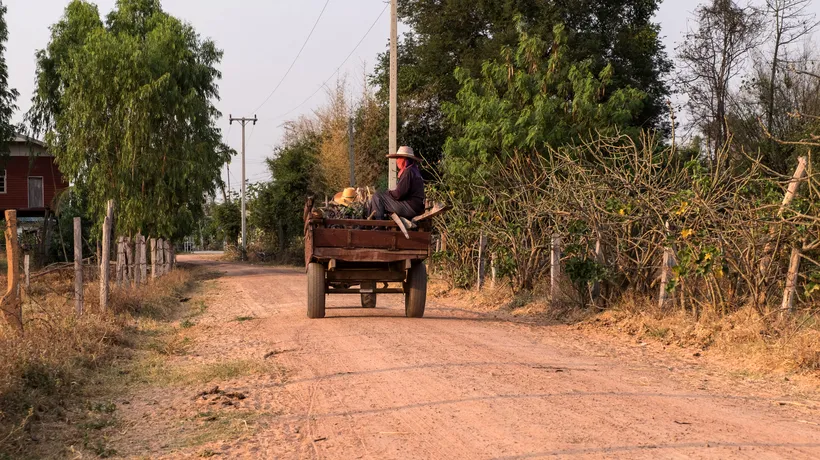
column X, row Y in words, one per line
column 105, row 265
column 243, row 121
column 11, row 305
column 394, row 88
column 350, row 147
column 78, row 265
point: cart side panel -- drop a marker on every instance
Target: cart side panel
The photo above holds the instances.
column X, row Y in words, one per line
column 369, row 239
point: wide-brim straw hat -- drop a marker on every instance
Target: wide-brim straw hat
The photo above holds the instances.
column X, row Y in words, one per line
column 346, row 197
column 404, row 152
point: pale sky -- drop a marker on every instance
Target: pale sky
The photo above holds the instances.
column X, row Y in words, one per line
column 260, row 39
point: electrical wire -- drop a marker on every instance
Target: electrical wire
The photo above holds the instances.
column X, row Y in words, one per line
column 294, row 59
column 324, row 84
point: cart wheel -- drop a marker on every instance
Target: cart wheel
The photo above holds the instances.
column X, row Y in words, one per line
column 368, row 300
column 415, row 291
column 316, row 291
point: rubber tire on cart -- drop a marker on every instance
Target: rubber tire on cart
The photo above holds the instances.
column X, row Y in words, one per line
column 316, row 291
column 415, row 291
column 369, row 300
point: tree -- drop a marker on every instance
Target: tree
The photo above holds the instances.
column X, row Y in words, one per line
column 7, row 95
column 530, row 99
column 712, row 55
column 126, row 106
column 451, row 34
column 790, row 23
column 279, row 204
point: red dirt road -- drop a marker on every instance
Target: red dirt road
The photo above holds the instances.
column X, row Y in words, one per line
column 372, row 384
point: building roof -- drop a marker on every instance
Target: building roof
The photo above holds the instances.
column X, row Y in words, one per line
column 23, row 139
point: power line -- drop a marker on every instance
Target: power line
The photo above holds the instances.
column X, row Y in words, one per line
column 337, row 68
column 294, row 59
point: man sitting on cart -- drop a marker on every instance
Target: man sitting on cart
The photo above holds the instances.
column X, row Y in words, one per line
column 407, row 200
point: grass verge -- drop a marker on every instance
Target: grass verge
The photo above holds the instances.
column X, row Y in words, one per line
column 47, row 372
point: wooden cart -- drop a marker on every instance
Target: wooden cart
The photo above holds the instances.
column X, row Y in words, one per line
column 365, row 257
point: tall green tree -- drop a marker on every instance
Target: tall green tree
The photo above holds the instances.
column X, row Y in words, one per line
column 279, row 204
column 7, row 95
column 450, row 34
column 530, row 99
column 127, row 108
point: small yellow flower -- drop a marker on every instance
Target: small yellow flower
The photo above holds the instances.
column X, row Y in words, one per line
column 622, row 211
column 683, row 207
column 707, row 257
column 686, row 233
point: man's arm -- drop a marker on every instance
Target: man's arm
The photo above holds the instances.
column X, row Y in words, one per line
column 402, row 188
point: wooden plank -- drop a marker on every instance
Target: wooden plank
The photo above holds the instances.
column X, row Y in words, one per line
column 369, row 239
column 438, row 209
column 368, row 255
column 78, row 266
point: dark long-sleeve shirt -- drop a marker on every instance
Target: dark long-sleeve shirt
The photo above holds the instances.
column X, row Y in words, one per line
column 410, row 189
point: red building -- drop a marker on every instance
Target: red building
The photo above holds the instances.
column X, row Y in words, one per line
column 29, row 179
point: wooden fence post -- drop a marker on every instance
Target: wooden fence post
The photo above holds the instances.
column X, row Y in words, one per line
column 666, row 275
column 143, row 261
column 791, row 192
column 78, row 265
column 105, row 257
column 129, row 261
column 136, row 264
column 11, row 305
column 790, row 292
column 153, row 258
column 120, row 261
column 595, row 291
column 493, row 270
column 555, row 267
column 27, row 269
column 482, row 264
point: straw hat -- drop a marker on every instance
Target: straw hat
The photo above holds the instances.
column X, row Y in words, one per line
column 404, row 152
column 345, row 198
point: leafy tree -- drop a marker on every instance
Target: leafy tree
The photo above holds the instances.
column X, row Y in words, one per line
column 532, row 98
column 7, row 95
column 450, row 34
column 127, row 109
column 227, row 217
column 713, row 53
column 279, row 204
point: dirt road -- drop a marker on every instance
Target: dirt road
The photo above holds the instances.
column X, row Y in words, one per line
column 372, row 384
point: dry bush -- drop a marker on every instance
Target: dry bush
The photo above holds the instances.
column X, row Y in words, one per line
column 59, row 351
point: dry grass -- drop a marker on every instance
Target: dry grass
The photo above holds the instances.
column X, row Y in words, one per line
column 744, row 338
column 60, row 354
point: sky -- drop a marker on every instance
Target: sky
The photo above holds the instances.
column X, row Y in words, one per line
column 260, row 39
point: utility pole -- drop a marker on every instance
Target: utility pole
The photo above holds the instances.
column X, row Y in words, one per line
column 352, row 152
column 394, row 87
column 243, row 121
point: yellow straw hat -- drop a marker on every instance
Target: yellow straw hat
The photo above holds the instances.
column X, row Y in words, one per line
column 345, row 198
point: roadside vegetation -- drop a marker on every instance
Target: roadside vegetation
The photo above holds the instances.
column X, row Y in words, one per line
column 62, row 361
